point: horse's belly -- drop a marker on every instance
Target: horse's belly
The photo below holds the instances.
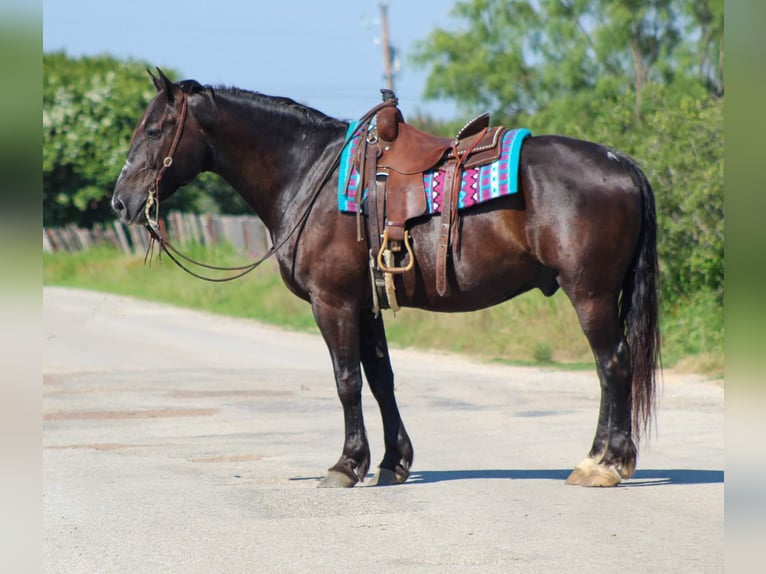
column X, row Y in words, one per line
column 490, row 264
column 470, row 290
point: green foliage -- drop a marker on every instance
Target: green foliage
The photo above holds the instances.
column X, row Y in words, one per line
column 519, row 57
column 542, row 352
column 682, row 150
column 694, row 327
column 90, row 107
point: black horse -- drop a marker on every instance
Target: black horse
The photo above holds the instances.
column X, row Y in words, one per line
column 584, row 220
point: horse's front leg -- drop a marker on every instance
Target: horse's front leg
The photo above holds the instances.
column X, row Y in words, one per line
column 396, row 463
column 339, row 326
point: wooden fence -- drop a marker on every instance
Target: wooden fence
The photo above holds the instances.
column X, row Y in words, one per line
column 245, row 232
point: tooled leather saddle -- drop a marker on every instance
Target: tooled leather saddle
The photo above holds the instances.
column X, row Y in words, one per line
column 392, row 158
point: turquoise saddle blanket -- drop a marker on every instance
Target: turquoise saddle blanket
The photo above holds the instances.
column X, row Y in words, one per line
column 479, row 184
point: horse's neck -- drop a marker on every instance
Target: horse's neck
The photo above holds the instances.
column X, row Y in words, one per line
column 271, row 161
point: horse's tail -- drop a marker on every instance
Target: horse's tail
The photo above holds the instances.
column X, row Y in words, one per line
column 639, row 309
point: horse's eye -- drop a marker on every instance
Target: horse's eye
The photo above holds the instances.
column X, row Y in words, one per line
column 153, row 133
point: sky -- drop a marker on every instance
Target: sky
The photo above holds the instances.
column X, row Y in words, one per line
column 323, row 53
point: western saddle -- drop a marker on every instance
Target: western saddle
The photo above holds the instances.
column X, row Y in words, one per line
column 391, row 160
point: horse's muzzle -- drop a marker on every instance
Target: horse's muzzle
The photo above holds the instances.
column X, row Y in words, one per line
column 130, row 209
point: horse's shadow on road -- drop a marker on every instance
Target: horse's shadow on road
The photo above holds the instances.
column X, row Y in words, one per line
column 647, row 477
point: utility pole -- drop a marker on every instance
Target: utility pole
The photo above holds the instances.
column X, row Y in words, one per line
column 387, row 56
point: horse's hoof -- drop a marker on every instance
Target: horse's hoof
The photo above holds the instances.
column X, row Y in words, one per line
column 603, row 476
column 581, row 472
column 335, row 479
column 387, row 477
column 576, row 477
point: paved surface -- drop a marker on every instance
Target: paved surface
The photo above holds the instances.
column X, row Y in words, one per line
column 176, row 441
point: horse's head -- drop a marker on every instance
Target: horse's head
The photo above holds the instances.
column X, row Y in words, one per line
column 167, row 150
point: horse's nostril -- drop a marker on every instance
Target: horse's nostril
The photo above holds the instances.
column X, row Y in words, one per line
column 118, row 205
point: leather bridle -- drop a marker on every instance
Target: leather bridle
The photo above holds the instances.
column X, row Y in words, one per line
column 153, row 200
column 154, row 190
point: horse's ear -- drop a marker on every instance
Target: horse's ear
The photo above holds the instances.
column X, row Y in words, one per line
column 164, row 84
column 155, row 80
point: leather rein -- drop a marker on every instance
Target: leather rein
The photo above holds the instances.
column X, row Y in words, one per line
column 153, row 200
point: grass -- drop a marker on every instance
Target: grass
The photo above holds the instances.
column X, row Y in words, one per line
column 693, row 335
column 529, row 330
column 261, row 295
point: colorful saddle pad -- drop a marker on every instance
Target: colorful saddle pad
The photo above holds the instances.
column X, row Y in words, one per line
column 479, row 184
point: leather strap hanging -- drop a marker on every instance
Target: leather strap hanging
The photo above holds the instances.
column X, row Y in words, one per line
column 449, row 226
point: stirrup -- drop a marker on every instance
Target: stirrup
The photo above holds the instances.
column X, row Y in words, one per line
column 407, row 246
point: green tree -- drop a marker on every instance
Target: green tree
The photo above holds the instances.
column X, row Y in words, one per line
column 519, row 58
column 90, row 107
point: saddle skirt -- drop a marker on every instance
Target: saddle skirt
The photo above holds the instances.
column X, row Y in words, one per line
column 478, row 184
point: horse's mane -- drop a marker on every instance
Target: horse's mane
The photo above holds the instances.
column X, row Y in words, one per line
column 276, row 104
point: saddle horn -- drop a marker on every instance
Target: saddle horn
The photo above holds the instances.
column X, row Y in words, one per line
column 388, row 119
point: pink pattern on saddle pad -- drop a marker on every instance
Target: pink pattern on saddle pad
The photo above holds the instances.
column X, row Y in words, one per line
column 479, row 184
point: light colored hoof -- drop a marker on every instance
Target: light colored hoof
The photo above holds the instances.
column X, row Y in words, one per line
column 335, row 479
column 577, row 477
column 386, row 477
column 581, row 472
column 603, row 476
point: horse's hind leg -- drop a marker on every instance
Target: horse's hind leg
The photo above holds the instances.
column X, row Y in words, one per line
column 395, row 467
column 613, row 454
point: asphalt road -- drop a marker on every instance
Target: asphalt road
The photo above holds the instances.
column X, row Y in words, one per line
column 177, row 441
